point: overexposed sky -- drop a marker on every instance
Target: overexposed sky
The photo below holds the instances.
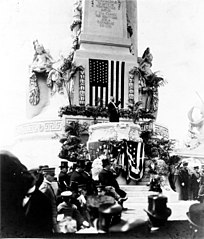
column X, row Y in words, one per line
column 173, row 29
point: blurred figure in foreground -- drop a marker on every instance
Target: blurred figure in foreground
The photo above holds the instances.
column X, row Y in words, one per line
column 21, row 201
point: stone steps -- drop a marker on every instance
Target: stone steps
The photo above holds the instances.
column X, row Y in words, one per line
column 140, row 193
column 138, row 201
column 136, row 193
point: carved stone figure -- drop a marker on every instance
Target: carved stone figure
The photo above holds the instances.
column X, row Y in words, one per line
column 42, row 63
column 149, row 83
column 197, row 125
column 42, row 60
column 55, row 82
column 77, row 16
column 146, row 63
column 55, row 79
column 34, row 91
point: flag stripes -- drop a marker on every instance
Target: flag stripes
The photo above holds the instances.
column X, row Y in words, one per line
column 106, row 78
column 136, row 160
column 122, row 82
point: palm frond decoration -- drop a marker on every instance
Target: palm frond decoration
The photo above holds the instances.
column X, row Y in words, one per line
column 154, row 80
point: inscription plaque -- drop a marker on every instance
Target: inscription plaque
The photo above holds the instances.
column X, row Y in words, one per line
column 106, row 17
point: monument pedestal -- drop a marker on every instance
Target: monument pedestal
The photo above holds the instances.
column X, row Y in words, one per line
column 108, row 66
column 37, row 139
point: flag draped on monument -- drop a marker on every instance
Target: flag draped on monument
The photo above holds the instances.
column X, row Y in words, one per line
column 131, row 158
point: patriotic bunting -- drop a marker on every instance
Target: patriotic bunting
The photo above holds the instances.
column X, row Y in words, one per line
column 129, row 155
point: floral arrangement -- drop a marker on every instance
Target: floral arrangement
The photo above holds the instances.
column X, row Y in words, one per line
column 161, row 167
column 158, row 150
column 88, row 111
column 99, row 111
column 72, row 148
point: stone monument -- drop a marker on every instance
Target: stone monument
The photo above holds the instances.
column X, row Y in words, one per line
column 37, row 139
column 102, row 62
column 107, row 54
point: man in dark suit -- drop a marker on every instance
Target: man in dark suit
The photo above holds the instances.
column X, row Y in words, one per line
column 184, row 181
column 107, row 178
column 78, row 176
column 63, row 178
column 113, row 110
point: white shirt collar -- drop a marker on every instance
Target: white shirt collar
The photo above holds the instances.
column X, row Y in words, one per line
column 46, row 181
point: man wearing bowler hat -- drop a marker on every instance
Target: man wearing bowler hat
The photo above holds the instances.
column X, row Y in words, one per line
column 63, row 178
column 196, row 217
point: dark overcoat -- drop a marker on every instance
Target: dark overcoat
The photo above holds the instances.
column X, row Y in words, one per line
column 107, row 178
column 113, row 112
column 63, row 181
column 47, row 189
column 183, row 176
column 38, row 213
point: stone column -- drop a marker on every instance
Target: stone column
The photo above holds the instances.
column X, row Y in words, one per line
column 104, row 36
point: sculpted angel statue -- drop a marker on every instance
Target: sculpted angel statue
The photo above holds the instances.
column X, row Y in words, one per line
column 197, row 123
column 42, row 60
column 146, row 63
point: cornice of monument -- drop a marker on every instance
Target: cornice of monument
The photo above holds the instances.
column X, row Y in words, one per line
column 105, row 40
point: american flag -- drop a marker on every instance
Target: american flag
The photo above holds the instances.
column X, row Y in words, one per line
column 135, row 152
column 106, row 78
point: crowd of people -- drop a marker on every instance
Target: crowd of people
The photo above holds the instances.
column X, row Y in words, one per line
column 189, row 181
column 39, row 203
column 84, row 195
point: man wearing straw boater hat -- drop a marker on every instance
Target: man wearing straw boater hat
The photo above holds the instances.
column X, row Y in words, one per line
column 47, row 189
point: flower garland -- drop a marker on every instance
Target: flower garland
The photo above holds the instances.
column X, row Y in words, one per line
column 99, row 111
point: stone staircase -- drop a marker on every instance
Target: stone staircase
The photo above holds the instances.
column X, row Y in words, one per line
column 136, row 193
column 139, row 194
column 138, row 200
